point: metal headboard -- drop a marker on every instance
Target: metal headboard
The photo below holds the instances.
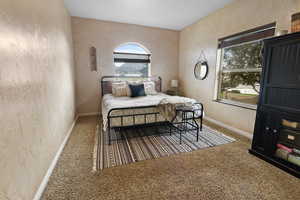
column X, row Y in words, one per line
column 106, row 82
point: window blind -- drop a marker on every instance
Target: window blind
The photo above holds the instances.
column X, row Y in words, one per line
column 131, row 58
column 248, row 36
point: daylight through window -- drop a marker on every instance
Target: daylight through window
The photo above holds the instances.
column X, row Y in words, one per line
column 240, row 66
column 131, row 60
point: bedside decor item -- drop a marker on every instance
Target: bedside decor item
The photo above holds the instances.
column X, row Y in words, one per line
column 93, row 59
column 174, row 84
column 174, row 88
column 296, row 22
column 172, row 93
column 201, row 67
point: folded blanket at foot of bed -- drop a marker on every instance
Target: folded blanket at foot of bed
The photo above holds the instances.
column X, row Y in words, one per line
column 168, row 107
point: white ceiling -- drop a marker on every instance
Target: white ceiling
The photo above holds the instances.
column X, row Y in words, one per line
column 170, row 14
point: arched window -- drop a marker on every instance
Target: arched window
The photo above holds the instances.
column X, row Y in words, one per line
column 132, row 59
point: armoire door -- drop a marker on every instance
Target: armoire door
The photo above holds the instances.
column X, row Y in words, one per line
column 281, row 85
column 265, row 133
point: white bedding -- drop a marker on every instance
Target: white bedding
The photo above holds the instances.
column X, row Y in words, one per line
column 111, row 102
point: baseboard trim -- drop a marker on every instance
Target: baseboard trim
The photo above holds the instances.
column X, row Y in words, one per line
column 231, row 128
column 45, row 180
column 88, row 114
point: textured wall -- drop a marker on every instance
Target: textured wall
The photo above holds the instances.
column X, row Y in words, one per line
column 106, row 36
column 37, row 100
column 236, row 17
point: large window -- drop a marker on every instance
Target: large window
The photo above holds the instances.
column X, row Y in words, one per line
column 131, row 60
column 240, row 65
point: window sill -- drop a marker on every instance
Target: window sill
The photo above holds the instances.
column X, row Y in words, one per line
column 237, row 104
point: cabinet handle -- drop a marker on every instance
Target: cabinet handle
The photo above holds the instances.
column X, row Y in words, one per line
column 267, row 128
column 274, row 131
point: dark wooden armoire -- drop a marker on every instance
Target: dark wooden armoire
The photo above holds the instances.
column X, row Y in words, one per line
column 278, row 112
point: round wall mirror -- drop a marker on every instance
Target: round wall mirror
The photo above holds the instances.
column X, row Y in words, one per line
column 201, row 70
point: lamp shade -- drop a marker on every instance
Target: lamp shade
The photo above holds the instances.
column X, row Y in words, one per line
column 174, row 83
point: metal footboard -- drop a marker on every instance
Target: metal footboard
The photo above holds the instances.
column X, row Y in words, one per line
column 156, row 121
column 110, row 117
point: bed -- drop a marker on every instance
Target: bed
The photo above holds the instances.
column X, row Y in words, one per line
column 121, row 112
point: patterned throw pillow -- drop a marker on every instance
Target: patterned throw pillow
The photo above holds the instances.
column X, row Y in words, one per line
column 120, row 89
column 150, row 88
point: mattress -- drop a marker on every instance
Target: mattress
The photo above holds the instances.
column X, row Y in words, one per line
column 110, row 102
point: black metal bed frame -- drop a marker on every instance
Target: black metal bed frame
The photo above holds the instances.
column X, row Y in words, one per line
column 105, row 90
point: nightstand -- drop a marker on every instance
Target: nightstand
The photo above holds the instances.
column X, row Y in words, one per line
column 172, row 92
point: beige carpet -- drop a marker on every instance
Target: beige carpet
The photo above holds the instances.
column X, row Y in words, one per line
column 146, row 143
column 222, row 172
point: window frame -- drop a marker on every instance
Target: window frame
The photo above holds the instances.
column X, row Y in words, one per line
column 245, row 38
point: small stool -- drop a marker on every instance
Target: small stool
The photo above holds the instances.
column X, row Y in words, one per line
column 189, row 116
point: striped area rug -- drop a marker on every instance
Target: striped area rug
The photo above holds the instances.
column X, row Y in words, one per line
column 139, row 144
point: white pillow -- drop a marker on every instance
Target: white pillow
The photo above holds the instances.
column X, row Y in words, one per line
column 120, row 89
column 134, row 82
column 150, row 88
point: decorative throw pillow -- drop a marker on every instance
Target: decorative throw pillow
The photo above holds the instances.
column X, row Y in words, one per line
column 150, row 88
column 119, row 89
column 137, row 90
column 136, row 82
